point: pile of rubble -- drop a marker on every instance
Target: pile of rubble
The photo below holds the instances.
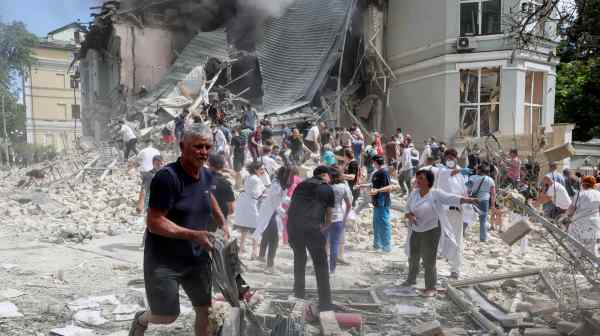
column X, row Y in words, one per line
column 74, row 210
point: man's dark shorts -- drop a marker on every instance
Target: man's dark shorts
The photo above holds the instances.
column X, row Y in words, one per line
column 162, row 282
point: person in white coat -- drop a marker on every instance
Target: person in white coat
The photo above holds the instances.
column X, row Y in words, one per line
column 269, row 224
column 247, row 205
column 585, row 215
column 450, row 180
column 426, row 218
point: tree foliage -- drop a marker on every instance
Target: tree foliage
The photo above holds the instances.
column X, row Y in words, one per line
column 578, row 76
column 16, row 43
column 578, row 97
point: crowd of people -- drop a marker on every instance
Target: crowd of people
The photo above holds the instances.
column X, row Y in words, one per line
column 275, row 205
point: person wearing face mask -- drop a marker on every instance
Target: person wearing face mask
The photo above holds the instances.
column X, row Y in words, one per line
column 449, row 179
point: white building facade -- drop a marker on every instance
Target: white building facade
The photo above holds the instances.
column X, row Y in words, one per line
column 459, row 75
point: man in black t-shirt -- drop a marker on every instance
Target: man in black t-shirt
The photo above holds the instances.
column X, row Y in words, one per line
column 177, row 245
column 309, row 216
column 223, row 190
column 267, row 132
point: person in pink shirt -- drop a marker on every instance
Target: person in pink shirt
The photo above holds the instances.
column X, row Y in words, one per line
column 296, row 179
column 514, row 168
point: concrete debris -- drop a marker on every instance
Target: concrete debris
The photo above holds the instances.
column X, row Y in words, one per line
column 541, row 332
column 90, row 317
column 401, row 309
column 10, row 293
column 432, row 328
column 329, row 324
column 72, row 331
column 9, row 310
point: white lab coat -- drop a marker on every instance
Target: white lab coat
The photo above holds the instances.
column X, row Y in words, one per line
column 440, row 199
column 247, row 205
column 270, row 205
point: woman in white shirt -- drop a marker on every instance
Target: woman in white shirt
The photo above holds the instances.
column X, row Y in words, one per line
column 247, row 205
column 339, row 215
column 586, row 216
column 424, row 217
column 269, row 224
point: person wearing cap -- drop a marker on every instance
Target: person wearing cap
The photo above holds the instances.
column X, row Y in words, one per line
column 147, row 176
column 223, row 189
column 381, row 187
column 309, row 217
column 585, row 216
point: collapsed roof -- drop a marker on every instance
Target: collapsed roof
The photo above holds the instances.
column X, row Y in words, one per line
column 295, row 55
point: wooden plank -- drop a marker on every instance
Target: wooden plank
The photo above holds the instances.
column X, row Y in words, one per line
column 89, row 165
column 108, row 169
column 474, row 313
column 492, row 278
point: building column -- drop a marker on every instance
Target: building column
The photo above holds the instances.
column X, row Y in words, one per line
column 512, row 100
column 549, row 95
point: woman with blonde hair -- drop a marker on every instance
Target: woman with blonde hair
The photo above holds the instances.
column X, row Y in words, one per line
column 585, row 215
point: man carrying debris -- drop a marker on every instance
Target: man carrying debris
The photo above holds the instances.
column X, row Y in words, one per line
column 554, row 197
column 309, row 216
column 177, row 243
column 129, row 139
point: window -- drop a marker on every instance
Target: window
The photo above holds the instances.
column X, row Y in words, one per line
column 534, row 101
column 75, row 112
column 480, row 17
column 479, row 101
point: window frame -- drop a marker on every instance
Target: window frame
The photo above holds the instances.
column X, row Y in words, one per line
column 479, row 18
column 528, row 107
column 478, row 104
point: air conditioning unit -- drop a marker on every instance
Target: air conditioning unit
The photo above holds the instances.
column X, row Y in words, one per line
column 466, row 44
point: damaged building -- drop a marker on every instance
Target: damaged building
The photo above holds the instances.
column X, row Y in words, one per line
column 454, row 72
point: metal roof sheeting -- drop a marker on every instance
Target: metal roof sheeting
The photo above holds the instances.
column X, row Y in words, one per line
column 201, row 48
column 299, row 49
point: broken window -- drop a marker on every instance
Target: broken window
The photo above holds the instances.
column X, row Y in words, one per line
column 480, row 17
column 534, row 101
column 480, row 101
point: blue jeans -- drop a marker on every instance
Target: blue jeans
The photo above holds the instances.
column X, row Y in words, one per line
column 382, row 229
column 357, row 149
column 484, row 206
column 334, row 235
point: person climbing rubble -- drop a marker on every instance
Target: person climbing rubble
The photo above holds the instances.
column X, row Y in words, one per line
column 177, row 246
column 129, row 140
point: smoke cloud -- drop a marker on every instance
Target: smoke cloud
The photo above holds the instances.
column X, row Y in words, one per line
column 242, row 18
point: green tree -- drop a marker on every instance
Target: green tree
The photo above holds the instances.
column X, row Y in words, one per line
column 578, row 76
column 16, row 43
column 578, row 97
